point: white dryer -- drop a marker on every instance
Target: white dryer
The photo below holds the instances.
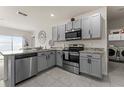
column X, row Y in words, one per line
column 112, row 53
column 121, row 54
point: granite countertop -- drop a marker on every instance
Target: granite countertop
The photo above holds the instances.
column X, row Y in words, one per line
column 93, row 50
column 7, row 53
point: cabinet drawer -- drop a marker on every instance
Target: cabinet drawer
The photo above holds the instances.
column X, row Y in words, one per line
column 52, row 52
column 59, row 52
column 84, row 55
column 98, row 56
column 41, row 54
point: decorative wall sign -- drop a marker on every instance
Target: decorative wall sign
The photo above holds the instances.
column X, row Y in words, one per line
column 42, row 37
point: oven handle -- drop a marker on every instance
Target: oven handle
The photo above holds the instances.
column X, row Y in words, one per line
column 76, row 54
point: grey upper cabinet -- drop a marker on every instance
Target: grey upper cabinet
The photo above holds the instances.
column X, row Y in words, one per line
column 61, row 32
column 77, row 24
column 91, row 64
column 86, row 33
column 95, row 25
column 51, row 59
column 42, row 61
column 59, row 58
column 91, row 26
column 68, row 26
column 54, row 33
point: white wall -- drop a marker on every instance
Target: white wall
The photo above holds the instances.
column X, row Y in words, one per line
column 117, row 23
column 16, row 32
column 102, row 43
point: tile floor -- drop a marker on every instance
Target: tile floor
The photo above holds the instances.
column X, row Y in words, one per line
column 57, row 77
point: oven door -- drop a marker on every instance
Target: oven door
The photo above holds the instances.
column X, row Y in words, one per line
column 74, row 57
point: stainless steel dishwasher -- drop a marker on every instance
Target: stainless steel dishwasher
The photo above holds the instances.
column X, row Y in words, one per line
column 25, row 66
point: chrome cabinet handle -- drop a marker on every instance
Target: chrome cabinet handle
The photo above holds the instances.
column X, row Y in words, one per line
column 61, row 56
column 89, row 61
column 89, row 56
column 46, row 56
column 89, row 31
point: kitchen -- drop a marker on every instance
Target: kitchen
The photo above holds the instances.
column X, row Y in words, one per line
column 75, row 43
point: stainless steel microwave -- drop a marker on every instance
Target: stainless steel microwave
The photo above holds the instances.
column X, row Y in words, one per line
column 73, row 35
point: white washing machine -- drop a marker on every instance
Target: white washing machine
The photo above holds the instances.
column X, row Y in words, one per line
column 121, row 54
column 112, row 53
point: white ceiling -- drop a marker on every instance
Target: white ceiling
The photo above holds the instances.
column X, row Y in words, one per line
column 38, row 16
column 115, row 12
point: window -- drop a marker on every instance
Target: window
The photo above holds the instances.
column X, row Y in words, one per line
column 5, row 43
column 10, row 43
column 17, row 43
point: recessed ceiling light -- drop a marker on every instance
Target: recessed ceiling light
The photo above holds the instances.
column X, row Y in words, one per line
column 52, row 15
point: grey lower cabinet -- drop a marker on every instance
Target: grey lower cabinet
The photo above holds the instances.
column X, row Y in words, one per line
column 46, row 60
column 84, row 65
column 51, row 59
column 96, row 67
column 42, row 61
column 91, row 64
column 59, row 58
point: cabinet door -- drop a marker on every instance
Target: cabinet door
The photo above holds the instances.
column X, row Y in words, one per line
column 59, row 58
column 86, row 33
column 77, row 24
column 42, row 62
column 33, row 66
column 96, row 68
column 114, row 37
column 122, row 36
column 54, row 33
column 95, row 25
column 110, row 37
column 68, row 26
column 51, row 59
column 61, row 32
column 84, row 65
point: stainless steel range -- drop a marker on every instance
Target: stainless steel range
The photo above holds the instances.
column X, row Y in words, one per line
column 71, row 57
